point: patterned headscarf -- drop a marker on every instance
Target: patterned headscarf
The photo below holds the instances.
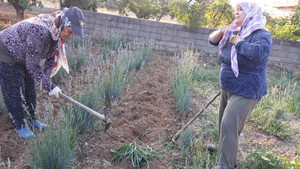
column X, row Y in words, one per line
column 254, row 20
column 55, row 23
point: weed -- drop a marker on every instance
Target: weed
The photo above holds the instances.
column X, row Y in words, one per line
column 56, row 148
column 264, row 159
column 136, row 154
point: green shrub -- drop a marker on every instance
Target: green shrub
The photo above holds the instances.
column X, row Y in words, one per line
column 113, row 84
column 182, row 81
column 186, row 140
column 55, row 149
column 115, row 43
column 77, row 58
column 181, row 88
column 79, row 118
column 136, row 154
column 264, row 159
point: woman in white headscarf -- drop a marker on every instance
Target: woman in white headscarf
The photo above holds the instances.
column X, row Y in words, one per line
column 244, row 47
column 22, row 47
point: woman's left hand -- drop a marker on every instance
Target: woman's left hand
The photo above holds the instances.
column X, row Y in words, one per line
column 234, row 39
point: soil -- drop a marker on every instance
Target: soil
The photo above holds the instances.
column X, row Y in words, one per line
column 145, row 113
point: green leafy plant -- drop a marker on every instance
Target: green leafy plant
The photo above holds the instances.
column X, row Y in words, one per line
column 55, row 149
column 264, row 159
column 136, row 154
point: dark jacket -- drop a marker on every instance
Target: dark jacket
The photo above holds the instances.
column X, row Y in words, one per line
column 27, row 44
column 253, row 55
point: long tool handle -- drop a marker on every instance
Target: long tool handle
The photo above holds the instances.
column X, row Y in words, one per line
column 188, row 123
column 100, row 116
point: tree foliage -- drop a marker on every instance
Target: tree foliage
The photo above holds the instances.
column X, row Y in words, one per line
column 219, row 13
column 285, row 28
column 141, row 8
column 21, row 5
column 191, row 13
column 90, row 5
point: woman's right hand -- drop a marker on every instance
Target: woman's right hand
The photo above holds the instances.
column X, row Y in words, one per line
column 55, row 92
column 223, row 29
column 218, row 34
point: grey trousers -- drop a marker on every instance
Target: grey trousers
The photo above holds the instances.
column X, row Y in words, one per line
column 233, row 112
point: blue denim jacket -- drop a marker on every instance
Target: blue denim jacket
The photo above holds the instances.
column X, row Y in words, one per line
column 253, row 55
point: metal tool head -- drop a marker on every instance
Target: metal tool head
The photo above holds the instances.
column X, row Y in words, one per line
column 107, row 120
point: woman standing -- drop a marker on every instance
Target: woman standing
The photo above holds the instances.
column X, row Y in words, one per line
column 244, row 52
column 22, row 47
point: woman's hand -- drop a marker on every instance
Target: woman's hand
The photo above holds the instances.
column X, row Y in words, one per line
column 223, row 29
column 234, row 39
column 218, row 34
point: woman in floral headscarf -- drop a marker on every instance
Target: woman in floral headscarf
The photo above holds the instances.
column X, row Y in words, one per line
column 244, row 52
column 22, row 47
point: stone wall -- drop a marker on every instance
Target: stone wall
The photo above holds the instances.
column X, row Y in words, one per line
column 173, row 36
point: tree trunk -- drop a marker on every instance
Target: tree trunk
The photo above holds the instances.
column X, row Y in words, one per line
column 20, row 13
column 19, row 9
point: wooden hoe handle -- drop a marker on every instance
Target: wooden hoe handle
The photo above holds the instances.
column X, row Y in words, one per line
column 188, row 123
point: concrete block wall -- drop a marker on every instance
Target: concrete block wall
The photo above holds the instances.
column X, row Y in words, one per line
column 173, row 36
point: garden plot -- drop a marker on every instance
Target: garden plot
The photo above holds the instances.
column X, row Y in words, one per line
column 147, row 111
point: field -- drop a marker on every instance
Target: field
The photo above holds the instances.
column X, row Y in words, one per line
column 145, row 113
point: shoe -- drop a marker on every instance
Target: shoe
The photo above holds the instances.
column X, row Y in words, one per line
column 39, row 125
column 25, row 133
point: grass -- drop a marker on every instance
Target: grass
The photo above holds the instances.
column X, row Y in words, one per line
column 273, row 111
column 136, row 154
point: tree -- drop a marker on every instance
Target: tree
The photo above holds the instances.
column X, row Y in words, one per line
column 285, row 28
column 218, row 13
column 21, row 5
column 191, row 12
column 90, row 5
column 141, row 8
